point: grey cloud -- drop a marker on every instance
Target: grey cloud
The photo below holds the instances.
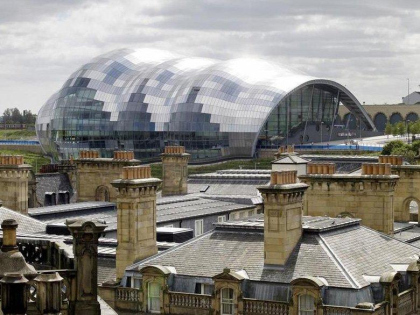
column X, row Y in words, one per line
column 370, row 46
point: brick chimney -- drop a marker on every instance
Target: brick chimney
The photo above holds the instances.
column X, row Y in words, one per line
column 136, row 216
column 175, row 171
column 282, row 216
column 14, row 176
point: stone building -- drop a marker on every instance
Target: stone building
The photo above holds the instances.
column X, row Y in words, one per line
column 369, row 195
column 14, row 177
column 95, row 174
column 276, row 263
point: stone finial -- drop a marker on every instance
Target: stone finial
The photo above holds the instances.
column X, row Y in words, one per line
column 11, row 160
column 123, row 155
column 376, row 169
column 88, row 154
column 174, row 150
column 283, row 177
column 9, row 227
column 320, row 168
column 391, row 159
column 137, row 172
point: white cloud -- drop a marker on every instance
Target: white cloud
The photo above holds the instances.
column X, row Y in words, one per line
column 369, row 46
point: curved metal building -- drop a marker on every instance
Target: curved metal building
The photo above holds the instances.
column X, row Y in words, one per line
column 145, row 99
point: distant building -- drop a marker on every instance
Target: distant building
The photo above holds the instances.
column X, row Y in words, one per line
column 412, row 98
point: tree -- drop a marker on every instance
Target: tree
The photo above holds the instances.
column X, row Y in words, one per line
column 406, row 152
column 389, row 147
column 401, row 129
column 388, row 129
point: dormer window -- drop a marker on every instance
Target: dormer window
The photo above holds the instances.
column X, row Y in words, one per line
column 306, row 304
column 227, row 301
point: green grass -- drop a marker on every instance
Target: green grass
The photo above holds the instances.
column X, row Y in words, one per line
column 36, row 160
column 13, row 134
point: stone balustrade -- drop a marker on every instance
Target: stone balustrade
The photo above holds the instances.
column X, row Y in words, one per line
column 376, row 169
column 196, row 301
column 391, row 159
column 127, row 294
column 320, row 168
column 405, row 302
column 283, row 177
column 11, row 159
column 257, row 307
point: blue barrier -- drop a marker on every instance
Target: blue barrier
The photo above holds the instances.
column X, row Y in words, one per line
column 338, row 147
column 19, row 142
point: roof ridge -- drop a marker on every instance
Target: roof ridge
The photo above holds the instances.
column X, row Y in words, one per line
column 337, row 261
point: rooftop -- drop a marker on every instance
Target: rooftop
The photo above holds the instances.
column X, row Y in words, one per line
column 339, row 250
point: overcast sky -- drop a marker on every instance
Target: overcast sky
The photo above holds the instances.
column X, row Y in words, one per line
column 370, row 46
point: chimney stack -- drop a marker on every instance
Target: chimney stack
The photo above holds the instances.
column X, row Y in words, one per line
column 175, row 171
column 282, row 216
column 14, row 177
column 9, row 227
column 136, row 216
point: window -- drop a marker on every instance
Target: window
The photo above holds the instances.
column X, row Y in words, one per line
column 241, row 214
column 202, row 288
column 169, row 225
column 306, row 304
column 154, row 297
column 250, row 213
column 221, row 218
column 227, row 307
column 198, row 227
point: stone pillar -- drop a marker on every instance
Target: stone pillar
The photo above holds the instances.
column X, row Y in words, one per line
column 14, row 183
column 85, row 247
column 175, row 171
column 282, row 216
column 136, row 216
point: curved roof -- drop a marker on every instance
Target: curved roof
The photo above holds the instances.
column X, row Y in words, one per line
column 154, row 90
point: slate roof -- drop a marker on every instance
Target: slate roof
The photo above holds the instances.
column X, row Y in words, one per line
column 168, row 209
column 229, row 182
column 26, row 224
column 340, row 253
column 52, row 182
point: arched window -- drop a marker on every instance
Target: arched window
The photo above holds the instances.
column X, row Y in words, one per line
column 102, row 193
column 306, row 304
column 227, row 306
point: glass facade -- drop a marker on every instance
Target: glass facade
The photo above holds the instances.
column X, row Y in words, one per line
column 144, row 99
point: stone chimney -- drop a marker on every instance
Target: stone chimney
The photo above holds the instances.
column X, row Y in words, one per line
column 282, row 216
column 14, row 177
column 136, row 216
column 285, row 150
column 85, row 248
column 175, row 171
column 368, row 196
column 95, row 174
column 9, row 235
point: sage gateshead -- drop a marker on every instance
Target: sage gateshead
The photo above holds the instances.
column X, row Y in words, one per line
column 145, row 99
